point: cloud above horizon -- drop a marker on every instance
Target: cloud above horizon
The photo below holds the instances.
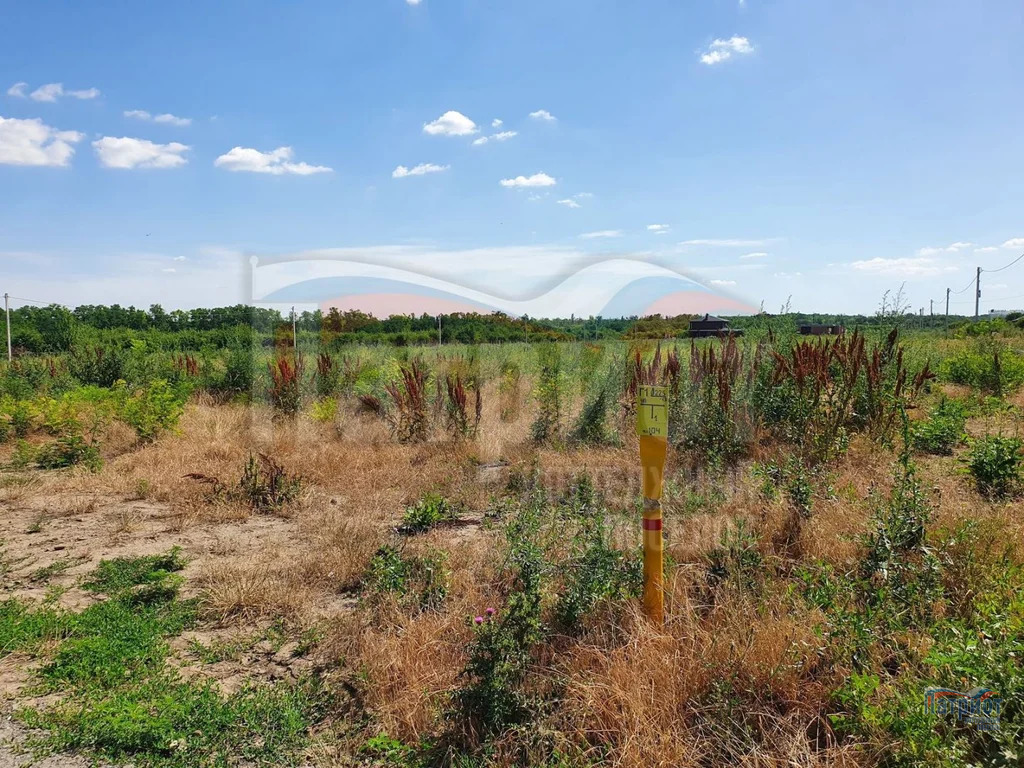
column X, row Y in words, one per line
column 129, row 153
column 31, row 142
column 451, row 123
column 723, row 50
column 536, row 180
column 277, row 162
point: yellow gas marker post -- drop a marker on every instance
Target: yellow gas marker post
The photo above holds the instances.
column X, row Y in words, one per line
column 652, row 428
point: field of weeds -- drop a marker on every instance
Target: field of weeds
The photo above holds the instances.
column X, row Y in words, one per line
column 430, row 556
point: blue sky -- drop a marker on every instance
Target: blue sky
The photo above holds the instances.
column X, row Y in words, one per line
column 840, row 148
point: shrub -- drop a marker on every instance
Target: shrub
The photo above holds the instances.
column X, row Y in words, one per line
column 899, row 573
column 99, row 366
column 69, row 451
column 995, row 462
column 153, row 409
column 410, row 422
column 509, row 390
column 266, row 485
column 328, row 375
column 239, row 375
column 430, row 510
column 494, row 696
column 736, row 560
column 595, row 573
column 592, row 424
column 988, row 365
column 547, row 426
column 325, row 409
column 420, row 581
column 942, row 430
column 286, row 384
column 457, row 417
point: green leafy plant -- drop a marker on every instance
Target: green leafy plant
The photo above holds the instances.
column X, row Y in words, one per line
column 996, row 464
column 943, row 430
column 69, row 451
column 151, row 410
column 431, row 509
column 736, row 561
column 419, row 580
column 547, row 426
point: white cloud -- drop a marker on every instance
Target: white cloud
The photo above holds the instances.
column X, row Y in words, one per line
column 138, row 153
column 583, row 195
column 1014, row 242
column 986, row 249
column 168, row 269
column 413, row 2
column 49, row 92
column 936, row 250
column 658, row 229
column 754, row 255
column 420, row 170
column 179, row 258
column 503, row 136
column 903, row 267
column 53, row 91
column 496, row 123
column 18, row 90
column 726, row 242
column 536, row 180
column 32, row 142
column 276, row 162
column 542, row 114
column 451, row 123
column 602, row 233
column 722, row 283
column 569, row 203
column 141, row 114
column 723, row 50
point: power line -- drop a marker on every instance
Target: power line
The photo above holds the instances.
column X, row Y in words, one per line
column 37, row 301
column 1007, row 266
column 966, row 286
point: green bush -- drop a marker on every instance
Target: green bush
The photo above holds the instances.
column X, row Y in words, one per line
column 430, row 510
column 547, row 426
column 419, row 581
column 996, row 462
column 153, row 409
column 988, row 366
column 494, row 696
column 69, row 451
column 942, row 430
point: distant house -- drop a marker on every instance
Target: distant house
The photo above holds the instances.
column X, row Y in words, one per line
column 709, row 325
column 821, row 330
column 993, row 313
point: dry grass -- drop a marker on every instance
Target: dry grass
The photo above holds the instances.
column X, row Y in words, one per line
column 636, row 695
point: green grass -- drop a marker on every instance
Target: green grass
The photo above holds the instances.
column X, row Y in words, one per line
column 120, row 700
column 113, row 576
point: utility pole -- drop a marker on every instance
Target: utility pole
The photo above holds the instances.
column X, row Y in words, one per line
column 7, row 311
column 947, row 309
column 439, row 329
column 931, row 307
column 977, row 293
column 295, row 337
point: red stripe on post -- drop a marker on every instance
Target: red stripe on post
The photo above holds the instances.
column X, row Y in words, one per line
column 652, row 524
